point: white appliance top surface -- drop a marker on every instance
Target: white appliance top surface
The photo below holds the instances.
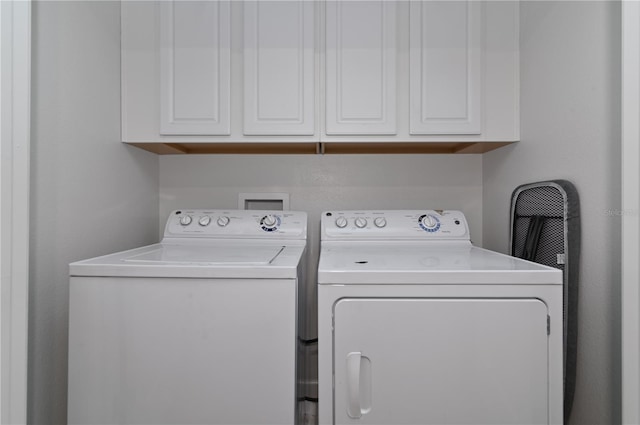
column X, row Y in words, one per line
column 213, row 244
column 222, row 259
column 426, row 263
column 415, row 247
column 207, row 255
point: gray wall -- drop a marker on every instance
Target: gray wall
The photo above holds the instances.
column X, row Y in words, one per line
column 318, row 183
column 570, row 129
column 90, row 194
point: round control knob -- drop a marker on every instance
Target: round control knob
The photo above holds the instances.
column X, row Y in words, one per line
column 341, row 222
column 429, row 221
column 269, row 221
column 204, row 221
column 222, row 221
column 380, row 222
column 360, row 222
column 186, row 220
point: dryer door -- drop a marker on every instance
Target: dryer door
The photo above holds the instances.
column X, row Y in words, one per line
column 440, row 361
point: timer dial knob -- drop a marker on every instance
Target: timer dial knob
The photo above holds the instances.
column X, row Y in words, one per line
column 341, row 222
column 204, row 221
column 222, row 221
column 269, row 221
column 185, row 220
column 429, row 221
column 361, row 222
column 380, row 222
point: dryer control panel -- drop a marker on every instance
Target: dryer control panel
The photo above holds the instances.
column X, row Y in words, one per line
column 201, row 223
column 395, row 225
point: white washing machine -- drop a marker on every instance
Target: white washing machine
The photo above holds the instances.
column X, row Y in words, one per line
column 201, row 328
column 418, row 326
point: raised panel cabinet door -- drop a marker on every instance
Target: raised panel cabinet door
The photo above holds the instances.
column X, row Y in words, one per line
column 440, row 361
column 445, row 76
column 361, row 56
column 279, row 68
column 195, row 68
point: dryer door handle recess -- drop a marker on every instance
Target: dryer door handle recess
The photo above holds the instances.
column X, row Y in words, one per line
column 358, row 385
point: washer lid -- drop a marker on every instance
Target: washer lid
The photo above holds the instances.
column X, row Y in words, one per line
column 222, row 259
column 434, row 263
column 207, row 255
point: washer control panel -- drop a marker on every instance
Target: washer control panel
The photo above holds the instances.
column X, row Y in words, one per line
column 201, row 223
column 395, row 224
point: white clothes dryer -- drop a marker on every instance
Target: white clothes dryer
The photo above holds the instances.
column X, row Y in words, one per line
column 201, row 328
column 418, row 326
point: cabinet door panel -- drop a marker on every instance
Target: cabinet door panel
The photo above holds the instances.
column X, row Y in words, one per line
column 279, row 71
column 361, row 67
column 445, row 67
column 440, row 361
column 195, row 68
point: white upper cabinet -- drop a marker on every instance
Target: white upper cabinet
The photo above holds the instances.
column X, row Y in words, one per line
column 195, row 68
column 445, row 70
column 361, row 59
column 219, row 71
column 279, row 68
column 319, row 71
